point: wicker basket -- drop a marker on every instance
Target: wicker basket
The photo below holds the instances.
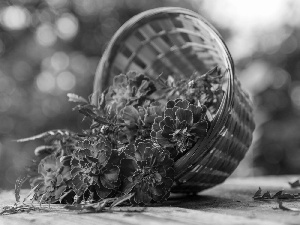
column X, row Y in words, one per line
column 178, row 42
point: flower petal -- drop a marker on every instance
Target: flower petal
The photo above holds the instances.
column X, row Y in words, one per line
column 155, row 126
column 184, row 115
column 170, row 113
column 182, row 104
column 170, row 104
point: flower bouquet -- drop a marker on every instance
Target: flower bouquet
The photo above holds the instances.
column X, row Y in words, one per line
column 134, row 139
column 181, row 123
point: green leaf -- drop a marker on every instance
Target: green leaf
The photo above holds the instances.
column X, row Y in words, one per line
column 295, row 184
column 278, row 195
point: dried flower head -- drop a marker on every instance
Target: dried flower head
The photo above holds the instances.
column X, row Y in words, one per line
column 181, row 126
column 56, row 174
column 91, row 167
column 147, row 172
column 129, row 89
column 137, row 123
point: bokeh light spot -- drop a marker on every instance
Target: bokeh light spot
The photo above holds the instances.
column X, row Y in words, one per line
column 66, row 81
column 45, row 82
column 15, row 17
column 59, row 61
column 45, row 35
column 256, row 77
column 67, row 26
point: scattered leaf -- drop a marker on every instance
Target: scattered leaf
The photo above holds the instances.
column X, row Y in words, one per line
column 278, row 195
column 258, row 194
column 266, row 195
column 295, row 184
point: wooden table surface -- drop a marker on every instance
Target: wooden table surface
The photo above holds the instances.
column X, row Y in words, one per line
column 230, row 203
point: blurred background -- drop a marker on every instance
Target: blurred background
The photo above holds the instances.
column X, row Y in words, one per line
column 52, row 47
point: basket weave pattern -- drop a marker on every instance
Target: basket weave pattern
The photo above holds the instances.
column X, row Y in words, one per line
column 178, row 42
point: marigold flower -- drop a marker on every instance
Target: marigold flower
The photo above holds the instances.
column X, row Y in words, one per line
column 91, row 166
column 56, row 175
column 181, row 126
column 129, row 89
column 147, row 172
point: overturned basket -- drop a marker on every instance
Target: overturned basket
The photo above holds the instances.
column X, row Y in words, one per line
column 179, row 42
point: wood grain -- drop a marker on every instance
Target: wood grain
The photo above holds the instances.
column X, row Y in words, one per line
column 230, row 203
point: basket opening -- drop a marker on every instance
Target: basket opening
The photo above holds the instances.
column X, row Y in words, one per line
column 164, row 43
